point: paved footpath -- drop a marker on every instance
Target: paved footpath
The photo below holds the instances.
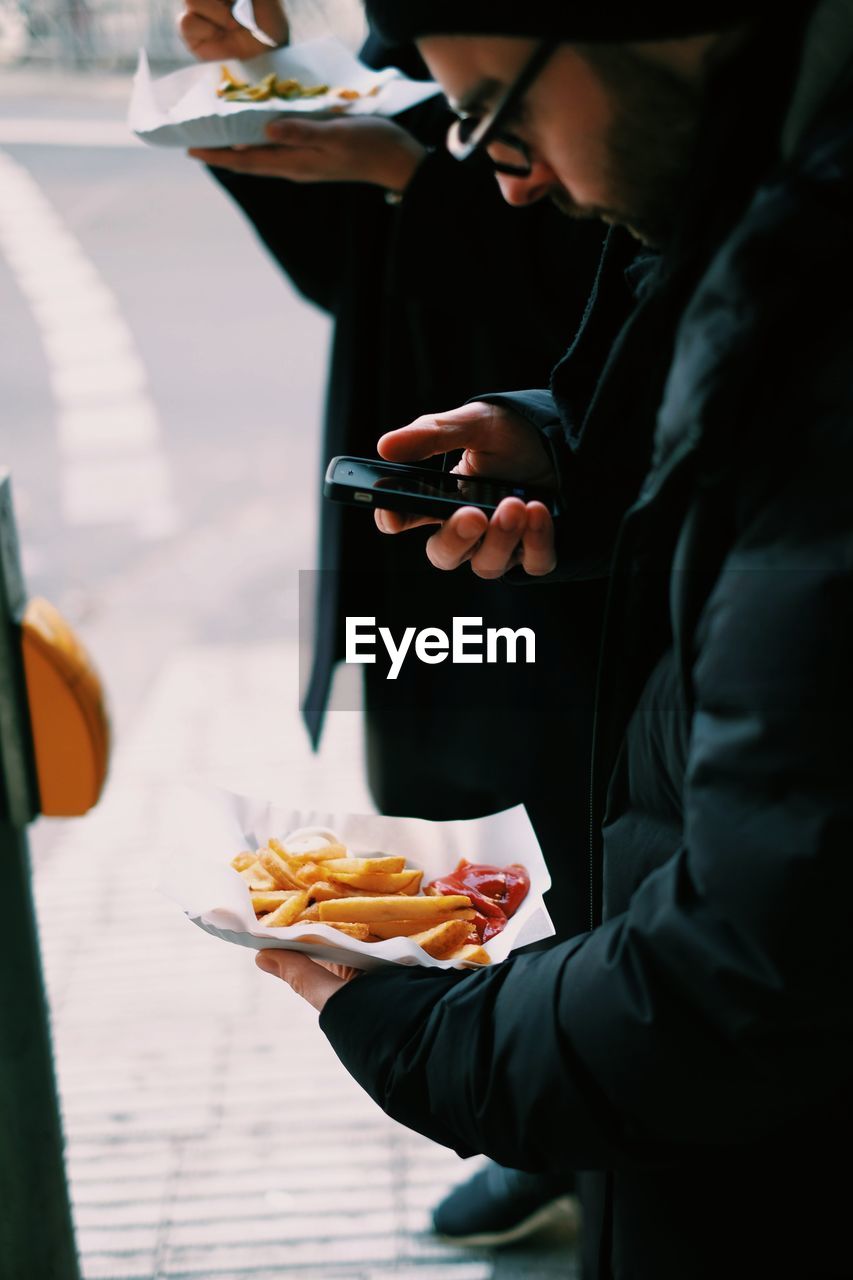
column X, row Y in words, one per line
column 211, row 1131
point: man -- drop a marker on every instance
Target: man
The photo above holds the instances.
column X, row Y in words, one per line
column 700, row 1034
column 443, row 290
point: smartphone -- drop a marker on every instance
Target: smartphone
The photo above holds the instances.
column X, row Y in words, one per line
column 419, row 491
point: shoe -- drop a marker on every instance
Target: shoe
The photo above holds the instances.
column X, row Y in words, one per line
column 500, row 1206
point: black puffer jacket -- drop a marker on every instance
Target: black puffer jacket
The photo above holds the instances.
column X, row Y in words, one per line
column 696, row 1046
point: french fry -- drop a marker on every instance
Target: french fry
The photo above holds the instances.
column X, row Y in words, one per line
column 351, row 928
column 361, row 932
column 260, row 92
column 311, row 912
column 243, row 860
column 257, row 878
column 326, row 853
column 405, row 928
column 378, row 881
column 268, row 899
column 322, row 890
column 278, row 867
column 385, row 865
column 443, row 939
column 279, row 848
column 295, row 89
column 286, row 913
column 384, row 907
column 309, row 873
column 471, row 954
column 230, row 83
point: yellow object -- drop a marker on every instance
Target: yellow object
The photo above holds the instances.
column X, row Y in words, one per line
column 71, row 732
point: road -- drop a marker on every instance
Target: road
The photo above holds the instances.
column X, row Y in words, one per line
column 136, row 289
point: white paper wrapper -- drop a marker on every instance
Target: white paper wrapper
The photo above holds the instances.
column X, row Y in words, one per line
column 210, row 827
column 182, row 109
column 244, row 13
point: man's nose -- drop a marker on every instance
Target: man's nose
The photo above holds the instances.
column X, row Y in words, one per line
column 539, row 183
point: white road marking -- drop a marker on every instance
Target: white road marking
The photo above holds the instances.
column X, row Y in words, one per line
column 114, row 468
column 99, row 379
column 94, row 429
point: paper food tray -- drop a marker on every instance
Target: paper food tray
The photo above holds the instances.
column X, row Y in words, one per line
column 210, row 827
column 182, row 109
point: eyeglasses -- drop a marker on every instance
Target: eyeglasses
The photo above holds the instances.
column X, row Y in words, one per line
column 471, row 133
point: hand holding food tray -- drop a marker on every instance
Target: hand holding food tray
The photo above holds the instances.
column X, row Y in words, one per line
column 212, row 829
column 195, row 108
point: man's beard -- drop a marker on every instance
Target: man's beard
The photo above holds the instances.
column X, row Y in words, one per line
column 649, row 232
column 649, row 146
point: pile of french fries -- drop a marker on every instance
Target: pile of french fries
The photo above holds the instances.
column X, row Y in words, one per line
column 369, row 899
column 271, row 86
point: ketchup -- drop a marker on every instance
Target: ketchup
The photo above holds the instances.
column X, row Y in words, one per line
column 496, row 893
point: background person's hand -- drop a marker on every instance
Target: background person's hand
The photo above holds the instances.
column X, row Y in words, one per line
column 314, row 980
column 212, row 33
column 498, row 444
column 358, row 150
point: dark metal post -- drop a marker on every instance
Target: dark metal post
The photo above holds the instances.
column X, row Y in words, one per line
column 36, row 1231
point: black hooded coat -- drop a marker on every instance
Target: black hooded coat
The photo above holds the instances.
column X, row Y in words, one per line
column 693, row 1051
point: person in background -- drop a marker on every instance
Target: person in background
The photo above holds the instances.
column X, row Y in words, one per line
column 437, row 289
column 700, row 1036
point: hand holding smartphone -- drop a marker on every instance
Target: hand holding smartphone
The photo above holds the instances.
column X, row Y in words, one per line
column 493, row 525
column 395, row 486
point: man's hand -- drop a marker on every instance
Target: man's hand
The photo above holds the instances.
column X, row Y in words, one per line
column 499, row 444
column 359, row 150
column 212, row 33
column 314, row 980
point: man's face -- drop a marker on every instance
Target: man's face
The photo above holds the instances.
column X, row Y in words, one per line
column 610, row 136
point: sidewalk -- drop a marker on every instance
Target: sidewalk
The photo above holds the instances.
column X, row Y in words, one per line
column 211, row 1131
